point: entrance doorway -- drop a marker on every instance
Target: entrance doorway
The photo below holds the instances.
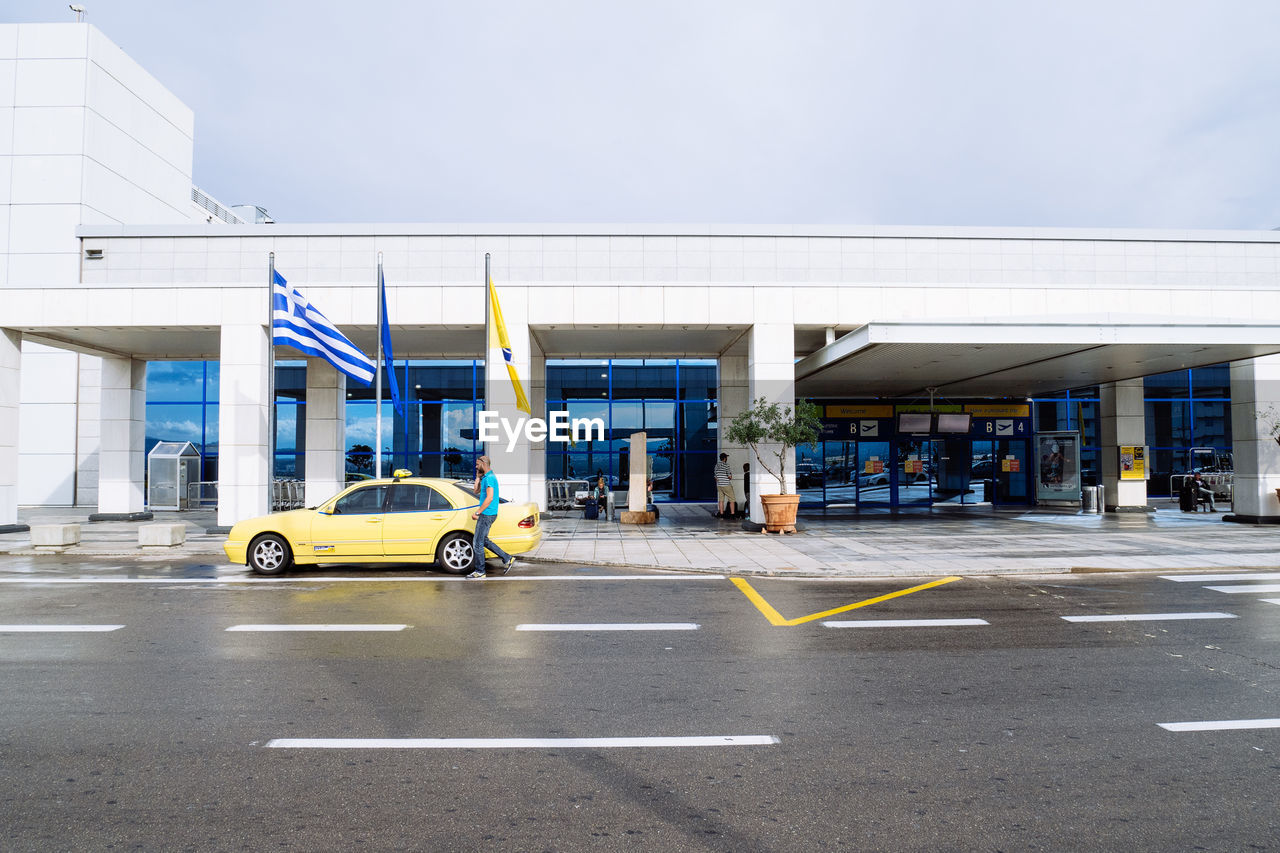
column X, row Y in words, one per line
column 1000, row 472
column 916, row 471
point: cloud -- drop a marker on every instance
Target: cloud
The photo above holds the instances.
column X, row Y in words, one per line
column 1000, row 112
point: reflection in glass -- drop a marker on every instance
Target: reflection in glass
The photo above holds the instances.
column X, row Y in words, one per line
column 696, row 473
column 361, row 435
column 1211, row 382
column 698, row 379
column 1168, row 423
column 584, row 466
column 698, row 429
column 651, row 380
column 174, row 422
column 441, row 380
column 290, row 466
column 175, row 381
column 291, row 425
column 1175, row 384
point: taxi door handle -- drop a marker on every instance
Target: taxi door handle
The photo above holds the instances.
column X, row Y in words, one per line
column 440, row 517
column 373, row 521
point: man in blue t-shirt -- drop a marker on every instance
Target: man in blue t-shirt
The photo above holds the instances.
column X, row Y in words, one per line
column 487, row 490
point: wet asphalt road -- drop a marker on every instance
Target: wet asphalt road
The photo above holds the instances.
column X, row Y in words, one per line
column 1029, row 732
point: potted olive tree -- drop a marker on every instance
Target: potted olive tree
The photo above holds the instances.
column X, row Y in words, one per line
column 781, row 430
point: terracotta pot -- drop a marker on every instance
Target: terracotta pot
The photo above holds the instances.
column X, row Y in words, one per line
column 1278, row 494
column 780, row 512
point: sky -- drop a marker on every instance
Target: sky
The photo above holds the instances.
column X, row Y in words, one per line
column 1159, row 114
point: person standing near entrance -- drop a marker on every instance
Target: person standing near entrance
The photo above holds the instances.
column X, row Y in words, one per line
column 725, row 501
column 485, row 514
column 746, row 489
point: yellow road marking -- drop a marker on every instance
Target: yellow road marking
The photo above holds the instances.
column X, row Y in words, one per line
column 776, row 618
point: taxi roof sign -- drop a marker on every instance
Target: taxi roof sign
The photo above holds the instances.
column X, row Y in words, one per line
column 401, row 473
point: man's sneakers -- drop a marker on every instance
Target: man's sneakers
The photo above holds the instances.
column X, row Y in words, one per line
column 506, row 567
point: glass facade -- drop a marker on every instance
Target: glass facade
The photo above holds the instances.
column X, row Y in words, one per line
column 672, row 400
column 1188, row 419
column 1074, row 411
column 436, row 437
column 182, row 405
column 1188, row 422
column 1184, row 409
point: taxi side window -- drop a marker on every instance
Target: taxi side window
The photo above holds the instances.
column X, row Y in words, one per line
column 408, row 497
column 361, row 502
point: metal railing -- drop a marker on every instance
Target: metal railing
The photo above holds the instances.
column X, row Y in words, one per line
column 563, row 494
column 202, row 493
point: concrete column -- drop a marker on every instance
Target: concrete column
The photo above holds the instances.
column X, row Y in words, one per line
column 243, row 423
column 10, row 374
column 1255, row 406
column 514, row 467
column 771, row 375
column 122, row 458
column 88, row 430
column 326, row 435
column 1123, row 407
column 731, row 400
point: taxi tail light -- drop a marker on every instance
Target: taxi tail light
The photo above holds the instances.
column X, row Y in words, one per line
column 528, row 522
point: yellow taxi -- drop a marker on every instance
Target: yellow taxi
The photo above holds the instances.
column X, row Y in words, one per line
column 399, row 520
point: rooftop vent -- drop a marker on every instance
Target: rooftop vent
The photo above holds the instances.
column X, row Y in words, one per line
column 253, row 213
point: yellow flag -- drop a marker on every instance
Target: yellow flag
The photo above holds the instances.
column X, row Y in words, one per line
column 498, row 329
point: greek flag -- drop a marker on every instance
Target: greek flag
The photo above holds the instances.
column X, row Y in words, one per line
column 297, row 323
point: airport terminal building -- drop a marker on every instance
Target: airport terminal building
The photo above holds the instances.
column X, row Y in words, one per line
column 951, row 364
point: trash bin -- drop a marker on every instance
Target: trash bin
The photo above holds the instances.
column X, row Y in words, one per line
column 1098, row 502
column 1089, row 499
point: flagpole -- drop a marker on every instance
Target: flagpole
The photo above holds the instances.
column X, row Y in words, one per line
column 271, row 376
column 377, row 472
column 488, row 301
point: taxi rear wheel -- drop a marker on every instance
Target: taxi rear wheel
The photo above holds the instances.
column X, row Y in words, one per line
column 269, row 555
column 455, row 553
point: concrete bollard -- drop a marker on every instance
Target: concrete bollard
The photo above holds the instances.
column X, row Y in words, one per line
column 161, row 535
column 55, row 535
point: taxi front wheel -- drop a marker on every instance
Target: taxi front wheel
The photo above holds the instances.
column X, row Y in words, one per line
column 269, row 555
column 455, row 553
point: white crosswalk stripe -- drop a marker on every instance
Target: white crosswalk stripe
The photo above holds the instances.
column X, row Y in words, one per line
column 1246, row 589
column 275, row 628
column 520, row 743
column 1236, row 576
column 1148, row 617
column 610, row 626
column 904, row 623
column 1220, row 725
column 58, row 629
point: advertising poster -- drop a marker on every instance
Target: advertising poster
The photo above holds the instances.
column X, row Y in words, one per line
column 1058, row 466
column 1133, row 463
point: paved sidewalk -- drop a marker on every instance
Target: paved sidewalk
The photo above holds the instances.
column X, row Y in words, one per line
column 922, row 543
column 972, row 541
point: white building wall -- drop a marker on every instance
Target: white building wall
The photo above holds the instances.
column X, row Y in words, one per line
column 86, row 137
